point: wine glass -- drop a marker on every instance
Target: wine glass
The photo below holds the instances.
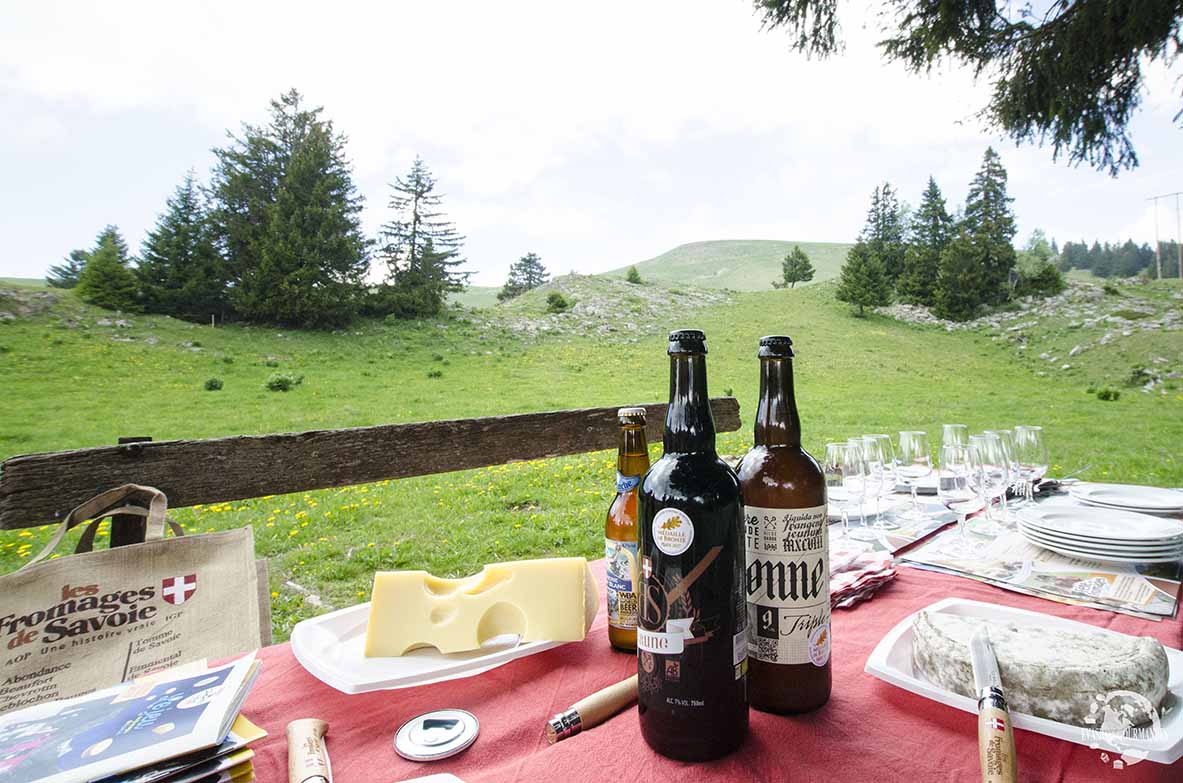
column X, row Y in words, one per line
column 913, row 464
column 889, row 462
column 1008, row 446
column 959, row 491
column 836, row 493
column 954, row 435
column 881, row 465
column 993, row 478
column 1031, row 454
column 860, row 484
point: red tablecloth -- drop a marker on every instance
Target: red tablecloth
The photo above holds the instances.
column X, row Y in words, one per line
column 868, row 731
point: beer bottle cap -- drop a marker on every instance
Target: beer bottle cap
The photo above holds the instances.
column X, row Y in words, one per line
column 776, row 346
column 436, row 735
column 687, row 341
column 631, row 415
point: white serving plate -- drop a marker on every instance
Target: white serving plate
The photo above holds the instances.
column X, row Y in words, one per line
column 891, row 661
column 331, row 647
column 1131, row 496
column 1110, row 525
column 1081, row 554
column 1087, row 545
column 1031, row 524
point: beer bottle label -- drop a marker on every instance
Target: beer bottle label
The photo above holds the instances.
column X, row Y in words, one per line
column 788, row 584
column 621, row 558
column 625, row 483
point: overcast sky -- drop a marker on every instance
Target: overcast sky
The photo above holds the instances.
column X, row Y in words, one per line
column 595, row 135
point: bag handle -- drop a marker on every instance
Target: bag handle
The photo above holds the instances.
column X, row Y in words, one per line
column 86, row 540
column 104, row 505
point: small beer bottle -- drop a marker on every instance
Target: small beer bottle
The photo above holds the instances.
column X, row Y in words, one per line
column 620, row 530
column 787, row 549
column 691, row 635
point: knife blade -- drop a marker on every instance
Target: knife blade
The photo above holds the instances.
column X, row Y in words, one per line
column 996, row 739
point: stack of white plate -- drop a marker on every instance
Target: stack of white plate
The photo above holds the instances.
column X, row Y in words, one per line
column 1132, row 497
column 1106, row 534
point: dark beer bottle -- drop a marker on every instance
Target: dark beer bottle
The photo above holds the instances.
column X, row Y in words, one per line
column 620, row 530
column 787, row 549
column 691, row 639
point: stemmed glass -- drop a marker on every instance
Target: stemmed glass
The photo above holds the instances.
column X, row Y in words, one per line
column 913, row 464
column 836, row 492
column 954, row 435
column 1031, row 454
column 991, row 459
column 881, row 468
column 958, row 489
column 1008, row 446
column 862, row 483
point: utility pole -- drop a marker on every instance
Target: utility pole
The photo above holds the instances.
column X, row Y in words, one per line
column 1178, row 235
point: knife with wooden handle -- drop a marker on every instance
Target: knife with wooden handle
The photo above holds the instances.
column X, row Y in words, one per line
column 996, row 739
column 592, row 710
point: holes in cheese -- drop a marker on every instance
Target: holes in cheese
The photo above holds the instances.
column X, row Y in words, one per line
column 500, row 619
column 554, row 599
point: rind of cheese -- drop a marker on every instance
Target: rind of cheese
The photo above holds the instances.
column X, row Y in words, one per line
column 1060, row 675
column 554, row 599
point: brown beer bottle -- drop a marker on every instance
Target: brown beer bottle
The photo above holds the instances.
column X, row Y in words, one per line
column 787, row 548
column 620, row 530
column 691, row 639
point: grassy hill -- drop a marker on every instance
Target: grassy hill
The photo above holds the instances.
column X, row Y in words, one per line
column 739, row 264
column 24, row 282
column 72, row 380
column 476, row 296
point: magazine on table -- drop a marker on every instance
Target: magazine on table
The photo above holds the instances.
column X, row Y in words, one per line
column 125, row 727
column 211, row 760
column 1011, row 562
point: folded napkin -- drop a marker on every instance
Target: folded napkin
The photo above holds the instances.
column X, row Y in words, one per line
column 856, row 575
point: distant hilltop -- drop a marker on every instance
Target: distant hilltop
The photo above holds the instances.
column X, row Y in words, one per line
column 738, row 264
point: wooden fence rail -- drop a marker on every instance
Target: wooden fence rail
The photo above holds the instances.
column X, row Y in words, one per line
column 36, row 489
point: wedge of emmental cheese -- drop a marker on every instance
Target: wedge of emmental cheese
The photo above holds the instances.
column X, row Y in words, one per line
column 554, row 599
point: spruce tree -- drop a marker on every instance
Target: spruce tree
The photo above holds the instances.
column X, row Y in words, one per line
column 1038, row 275
column 961, row 278
column 884, row 231
column 66, row 274
column 991, row 224
column 286, row 217
column 106, row 281
column 633, row 276
column 179, row 270
column 930, row 231
column 313, row 257
column 796, row 268
column 525, row 274
column 863, row 283
column 110, row 236
column 421, row 248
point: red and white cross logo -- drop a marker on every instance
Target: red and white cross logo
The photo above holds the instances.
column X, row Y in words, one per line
column 178, row 589
column 996, row 724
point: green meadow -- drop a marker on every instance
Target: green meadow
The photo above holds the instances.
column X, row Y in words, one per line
column 70, row 383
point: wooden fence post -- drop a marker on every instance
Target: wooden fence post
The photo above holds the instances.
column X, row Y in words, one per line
column 126, row 528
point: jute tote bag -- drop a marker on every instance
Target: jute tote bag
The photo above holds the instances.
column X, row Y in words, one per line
column 74, row 624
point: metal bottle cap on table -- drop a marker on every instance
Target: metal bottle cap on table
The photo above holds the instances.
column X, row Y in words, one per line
column 436, row 735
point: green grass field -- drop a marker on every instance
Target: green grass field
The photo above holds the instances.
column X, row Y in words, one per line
column 738, row 264
column 477, row 296
column 87, row 385
column 24, row 282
